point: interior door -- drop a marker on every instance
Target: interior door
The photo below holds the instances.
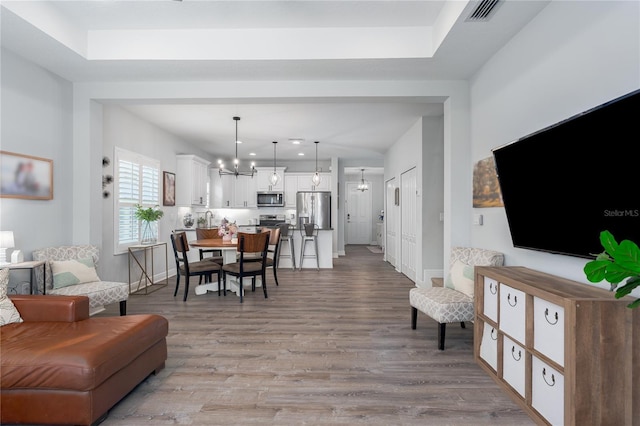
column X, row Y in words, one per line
column 408, row 223
column 358, row 215
column 391, row 219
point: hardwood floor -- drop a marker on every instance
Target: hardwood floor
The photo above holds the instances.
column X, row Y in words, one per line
column 327, row 347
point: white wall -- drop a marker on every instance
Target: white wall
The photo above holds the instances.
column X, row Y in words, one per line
column 36, row 120
column 125, row 130
column 571, row 57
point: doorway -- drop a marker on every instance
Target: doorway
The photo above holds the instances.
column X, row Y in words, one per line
column 357, row 219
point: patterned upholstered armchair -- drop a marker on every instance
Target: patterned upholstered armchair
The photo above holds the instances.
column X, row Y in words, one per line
column 454, row 301
column 100, row 293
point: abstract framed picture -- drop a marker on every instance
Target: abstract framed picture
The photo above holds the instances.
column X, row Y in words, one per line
column 169, row 189
column 25, row 176
column 486, row 188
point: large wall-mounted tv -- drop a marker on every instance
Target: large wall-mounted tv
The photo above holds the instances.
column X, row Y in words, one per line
column 561, row 186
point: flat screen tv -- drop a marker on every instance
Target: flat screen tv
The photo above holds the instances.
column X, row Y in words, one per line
column 561, row 186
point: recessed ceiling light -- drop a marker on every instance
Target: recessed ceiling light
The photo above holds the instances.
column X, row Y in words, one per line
column 238, row 141
column 252, row 154
column 296, row 141
column 301, row 154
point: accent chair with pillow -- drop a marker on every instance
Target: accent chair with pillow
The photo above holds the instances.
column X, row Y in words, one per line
column 454, row 301
column 71, row 271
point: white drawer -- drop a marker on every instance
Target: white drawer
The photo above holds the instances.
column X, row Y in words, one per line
column 513, row 365
column 512, row 312
column 489, row 346
column 548, row 329
column 547, row 391
column 490, row 307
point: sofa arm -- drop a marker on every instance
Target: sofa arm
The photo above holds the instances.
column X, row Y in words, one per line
column 51, row 308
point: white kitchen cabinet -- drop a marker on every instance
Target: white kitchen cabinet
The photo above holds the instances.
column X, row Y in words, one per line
column 294, row 182
column 262, row 179
column 244, row 194
column 192, row 177
column 563, row 350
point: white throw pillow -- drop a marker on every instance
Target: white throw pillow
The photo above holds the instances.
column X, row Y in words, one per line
column 72, row 272
column 462, row 278
column 8, row 312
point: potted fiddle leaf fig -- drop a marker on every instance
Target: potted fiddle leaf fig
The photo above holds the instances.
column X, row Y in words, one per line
column 618, row 262
column 149, row 217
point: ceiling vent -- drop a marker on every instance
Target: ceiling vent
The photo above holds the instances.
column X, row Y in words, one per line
column 483, row 10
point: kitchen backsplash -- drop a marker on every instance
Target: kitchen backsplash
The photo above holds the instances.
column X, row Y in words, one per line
column 239, row 216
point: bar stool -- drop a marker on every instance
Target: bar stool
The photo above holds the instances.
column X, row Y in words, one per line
column 285, row 236
column 309, row 234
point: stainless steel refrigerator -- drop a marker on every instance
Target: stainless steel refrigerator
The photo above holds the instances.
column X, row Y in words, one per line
column 314, row 207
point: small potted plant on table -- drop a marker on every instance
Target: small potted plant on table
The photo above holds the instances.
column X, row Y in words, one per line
column 149, row 217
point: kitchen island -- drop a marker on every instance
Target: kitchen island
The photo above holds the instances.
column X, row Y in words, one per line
column 325, row 249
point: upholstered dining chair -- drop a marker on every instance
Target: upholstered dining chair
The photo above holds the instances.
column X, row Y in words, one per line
column 214, row 255
column 202, row 268
column 272, row 251
column 251, row 246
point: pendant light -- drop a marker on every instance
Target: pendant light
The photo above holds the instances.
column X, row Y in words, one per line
column 236, row 172
column 315, row 180
column 274, row 178
column 362, row 186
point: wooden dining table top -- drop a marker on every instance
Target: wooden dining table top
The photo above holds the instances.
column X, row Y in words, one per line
column 213, row 243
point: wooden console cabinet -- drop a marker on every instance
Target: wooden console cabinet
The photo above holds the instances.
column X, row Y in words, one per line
column 568, row 353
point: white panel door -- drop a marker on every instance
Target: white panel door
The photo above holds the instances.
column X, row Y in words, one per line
column 358, row 215
column 391, row 218
column 408, row 223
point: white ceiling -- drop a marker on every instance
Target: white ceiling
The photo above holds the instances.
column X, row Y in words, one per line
column 201, row 40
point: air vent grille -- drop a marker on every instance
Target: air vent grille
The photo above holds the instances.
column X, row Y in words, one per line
column 483, row 10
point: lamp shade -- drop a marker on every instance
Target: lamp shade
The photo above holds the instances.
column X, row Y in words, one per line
column 6, row 239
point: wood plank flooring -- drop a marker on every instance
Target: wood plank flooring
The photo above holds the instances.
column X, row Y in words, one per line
column 328, row 347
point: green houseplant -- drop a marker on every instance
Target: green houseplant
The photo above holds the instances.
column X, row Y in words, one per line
column 149, row 217
column 615, row 264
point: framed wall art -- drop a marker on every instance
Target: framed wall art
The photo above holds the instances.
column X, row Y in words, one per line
column 486, row 188
column 169, row 189
column 25, row 176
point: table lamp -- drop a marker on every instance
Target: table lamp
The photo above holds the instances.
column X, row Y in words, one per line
column 6, row 242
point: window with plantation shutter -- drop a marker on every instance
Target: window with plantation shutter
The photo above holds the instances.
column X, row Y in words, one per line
column 137, row 181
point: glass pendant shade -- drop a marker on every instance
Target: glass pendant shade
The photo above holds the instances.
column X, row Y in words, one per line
column 274, row 178
column 362, row 186
column 315, row 179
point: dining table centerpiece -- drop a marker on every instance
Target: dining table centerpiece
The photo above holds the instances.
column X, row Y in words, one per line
column 227, row 230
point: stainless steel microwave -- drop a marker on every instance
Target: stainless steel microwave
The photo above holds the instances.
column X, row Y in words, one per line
column 270, row 199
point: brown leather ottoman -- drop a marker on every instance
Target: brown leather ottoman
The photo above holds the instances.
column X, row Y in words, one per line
column 61, row 367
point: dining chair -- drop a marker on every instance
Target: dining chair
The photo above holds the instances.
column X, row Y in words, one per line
column 215, row 255
column 202, row 268
column 272, row 252
column 250, row 245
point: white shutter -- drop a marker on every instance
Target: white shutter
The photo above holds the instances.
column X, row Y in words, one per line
column 137, row 182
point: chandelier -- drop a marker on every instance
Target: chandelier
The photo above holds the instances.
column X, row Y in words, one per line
column 274, row 178
column 236, row 172
column 315, row 179
column 362, row 186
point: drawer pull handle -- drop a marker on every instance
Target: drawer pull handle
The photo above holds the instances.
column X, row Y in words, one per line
column 492, row 331
column 513, row 353
column 544, row 376
column 493, row 289
column 546, row 316
column 515, row 300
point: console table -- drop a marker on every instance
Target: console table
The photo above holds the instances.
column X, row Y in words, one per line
column 143, row 256
column 568, row 353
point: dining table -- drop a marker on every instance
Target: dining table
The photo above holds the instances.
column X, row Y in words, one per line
column 229, row 255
